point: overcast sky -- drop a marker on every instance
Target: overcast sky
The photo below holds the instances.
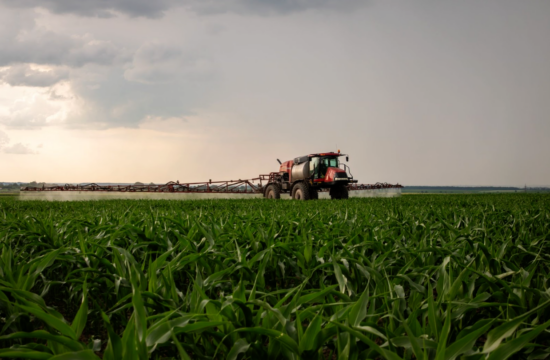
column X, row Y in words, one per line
column 420, row 92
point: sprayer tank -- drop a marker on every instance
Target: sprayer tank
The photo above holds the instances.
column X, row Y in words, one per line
column 300, row 171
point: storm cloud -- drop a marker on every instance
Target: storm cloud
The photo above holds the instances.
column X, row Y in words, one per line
column 25, row 75
column 157, row 63
column 153, row 9
column 23, row 41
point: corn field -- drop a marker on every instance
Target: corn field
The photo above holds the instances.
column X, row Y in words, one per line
column 418, row 277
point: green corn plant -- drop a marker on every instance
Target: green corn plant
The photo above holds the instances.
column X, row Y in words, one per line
column 417, row 277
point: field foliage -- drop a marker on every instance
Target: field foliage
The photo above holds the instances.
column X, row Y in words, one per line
column 417, row 277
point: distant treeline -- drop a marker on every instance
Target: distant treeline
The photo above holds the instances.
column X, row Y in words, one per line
column 464, row 188
column 472, row 189
column 16, row 186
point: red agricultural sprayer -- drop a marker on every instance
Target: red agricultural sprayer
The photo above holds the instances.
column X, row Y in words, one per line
column 304, row 178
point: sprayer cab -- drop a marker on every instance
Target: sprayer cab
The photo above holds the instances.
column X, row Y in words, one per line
column 304, row 176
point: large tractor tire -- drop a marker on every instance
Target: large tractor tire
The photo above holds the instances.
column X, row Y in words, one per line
column 344, row 193
column 272, row 192
column 301, row 192
column 339, row 192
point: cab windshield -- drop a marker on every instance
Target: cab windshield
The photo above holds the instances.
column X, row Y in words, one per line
column 320, row 165
column 330, row 161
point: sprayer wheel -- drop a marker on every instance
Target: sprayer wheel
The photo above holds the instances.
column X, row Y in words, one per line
column 273, row 192
column 301, row 192
column 344, row 193
column 339, row 192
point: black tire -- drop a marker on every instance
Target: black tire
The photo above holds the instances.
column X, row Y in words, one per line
column 313, row 194
column 300, row 191
column 339, row 192
column 273, row 192
column 344, row 193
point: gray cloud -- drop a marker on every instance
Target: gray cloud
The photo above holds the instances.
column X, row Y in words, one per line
column 20, row 149
column 25, row 75
column 126, row 98
column 269, row 7
column 156, row 63
column 159, row 80
column 98, row 8
column 4, row 139
column 147, row 8
column 50, row 48
column 25, row 118
column 22, row 41
column 31, row 113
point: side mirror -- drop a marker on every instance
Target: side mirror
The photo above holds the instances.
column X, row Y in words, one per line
column 347, row 158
